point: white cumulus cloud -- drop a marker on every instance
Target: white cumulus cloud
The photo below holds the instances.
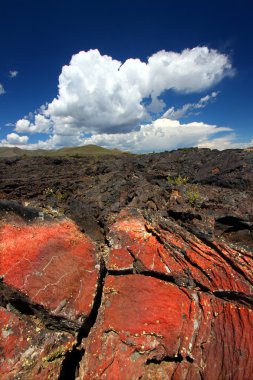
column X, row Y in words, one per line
column 14, row 139
column 162, row 134
column 119, row 104
column 98, row 94
column 41, row 125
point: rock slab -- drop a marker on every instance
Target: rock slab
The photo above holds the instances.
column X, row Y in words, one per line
column 51, row 266
column 29, row 350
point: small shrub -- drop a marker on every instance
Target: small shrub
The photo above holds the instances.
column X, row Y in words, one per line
column 49, row 192
column 178, row 181
column 193, row 195
column 60, row 196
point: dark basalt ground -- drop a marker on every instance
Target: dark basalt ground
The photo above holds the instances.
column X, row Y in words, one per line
column 216, row 201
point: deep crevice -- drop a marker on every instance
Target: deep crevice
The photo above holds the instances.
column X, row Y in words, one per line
column 120, row 272
column 229, row 296
column 235, row 297
column 177, row 280
column 90, row 321
column 160, row 240
column 170, row 359
column 70, row 365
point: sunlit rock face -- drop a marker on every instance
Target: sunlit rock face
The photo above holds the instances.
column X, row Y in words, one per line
column 53, row 266
column 171, row 305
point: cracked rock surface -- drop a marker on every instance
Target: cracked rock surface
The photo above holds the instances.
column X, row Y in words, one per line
column 110, row 271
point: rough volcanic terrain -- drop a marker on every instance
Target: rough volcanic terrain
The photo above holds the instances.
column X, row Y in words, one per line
column 127, row 267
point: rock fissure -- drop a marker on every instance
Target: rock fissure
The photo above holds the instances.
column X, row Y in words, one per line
column 186, row 283
column 235, row 297
column 70, row 366
column 176, row 359
column 120, row 272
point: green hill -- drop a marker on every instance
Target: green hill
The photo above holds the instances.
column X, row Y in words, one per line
column 80, row 151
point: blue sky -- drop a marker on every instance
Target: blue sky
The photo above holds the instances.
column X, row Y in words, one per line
column 194, row 59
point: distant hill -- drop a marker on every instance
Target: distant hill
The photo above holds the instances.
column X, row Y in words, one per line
column 80, row 151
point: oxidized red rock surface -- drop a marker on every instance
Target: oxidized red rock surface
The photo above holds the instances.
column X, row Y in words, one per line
column 53, row 265
column 30, row 351
column 150, row 329
column 173, row 306
column 172, row 251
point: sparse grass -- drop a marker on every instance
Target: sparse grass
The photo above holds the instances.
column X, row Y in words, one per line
column 189, row 192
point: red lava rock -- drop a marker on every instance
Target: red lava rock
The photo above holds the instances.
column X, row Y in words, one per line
column 119, row 259
column 30, row 351
column 150, row 329
column 174, row 252
column 52, row 265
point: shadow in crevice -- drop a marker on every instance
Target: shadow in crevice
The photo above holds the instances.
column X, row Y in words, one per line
column 170, row 359
column 70, row 365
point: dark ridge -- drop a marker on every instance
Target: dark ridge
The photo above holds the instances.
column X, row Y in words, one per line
column 27, row 213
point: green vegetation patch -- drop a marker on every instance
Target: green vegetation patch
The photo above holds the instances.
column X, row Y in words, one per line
column 177, row 181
